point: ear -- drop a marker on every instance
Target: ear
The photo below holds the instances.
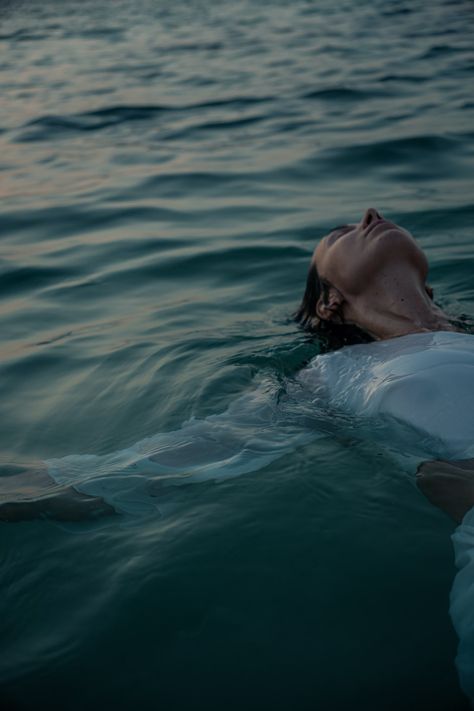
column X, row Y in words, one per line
column 429, row 291
column 328, row 306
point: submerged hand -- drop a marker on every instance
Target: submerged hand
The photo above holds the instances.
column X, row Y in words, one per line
column 448, row 485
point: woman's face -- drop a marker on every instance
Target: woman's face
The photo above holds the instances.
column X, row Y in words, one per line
column 353, row 256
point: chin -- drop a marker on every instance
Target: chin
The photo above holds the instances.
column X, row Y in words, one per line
column 385, row 229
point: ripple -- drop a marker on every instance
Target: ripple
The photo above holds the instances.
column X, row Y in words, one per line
column 17, row 280
column 24, row 36
column 344, row 94
column 410, row 78
column 67, row 220
column 442, row 50
column 411, row 148
column 50, row 127
column 56, row 126
column 102, row 33
column 172, row 185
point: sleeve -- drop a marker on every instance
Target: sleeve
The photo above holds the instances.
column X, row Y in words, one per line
column 255, row 430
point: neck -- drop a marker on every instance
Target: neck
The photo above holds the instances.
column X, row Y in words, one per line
column 383, row 326
column 393, row 309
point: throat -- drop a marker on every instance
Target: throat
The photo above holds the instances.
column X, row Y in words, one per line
column 398, row 314
column 392, row 325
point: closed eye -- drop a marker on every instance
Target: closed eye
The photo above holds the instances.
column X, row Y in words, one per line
column 337, row 232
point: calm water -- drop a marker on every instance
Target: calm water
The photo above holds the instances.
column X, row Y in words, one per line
column 166, row 171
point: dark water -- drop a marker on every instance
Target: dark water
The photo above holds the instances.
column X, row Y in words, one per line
column 166, row 171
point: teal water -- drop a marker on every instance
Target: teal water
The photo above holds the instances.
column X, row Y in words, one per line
column 166, row 172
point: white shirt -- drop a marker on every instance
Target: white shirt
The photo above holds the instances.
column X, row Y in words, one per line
column 421, row 386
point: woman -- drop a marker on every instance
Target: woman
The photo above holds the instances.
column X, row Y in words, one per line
column 366, row 283
column 372, row 275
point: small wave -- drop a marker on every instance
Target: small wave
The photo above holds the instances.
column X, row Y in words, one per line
column 190, row 47
column 343, row 94
column 217, row 126
column 441, row 50
column 55, row 125
column 385, row 153
column 408, row 78
column 232, row 101
column 23, row 36
column 17, row 280
column 393, row 11
column 217, row 266
column 62, row 222
column 175, row 185
column 96, row 33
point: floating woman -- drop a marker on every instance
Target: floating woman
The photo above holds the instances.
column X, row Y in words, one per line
column 405, row 374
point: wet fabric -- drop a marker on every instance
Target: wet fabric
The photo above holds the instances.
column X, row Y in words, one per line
column 413, row 392
column 462, row 602
column 422, row 383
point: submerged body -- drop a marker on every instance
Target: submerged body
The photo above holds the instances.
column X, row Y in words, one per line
column 412, row 394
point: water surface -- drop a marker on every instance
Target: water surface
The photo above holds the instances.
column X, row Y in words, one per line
column 166, row 172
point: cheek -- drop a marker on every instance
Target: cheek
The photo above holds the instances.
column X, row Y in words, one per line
column 352, row 270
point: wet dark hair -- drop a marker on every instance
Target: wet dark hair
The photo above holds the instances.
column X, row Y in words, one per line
column 335, row 334
column 306, row 314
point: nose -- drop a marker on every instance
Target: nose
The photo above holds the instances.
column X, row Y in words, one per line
column 370, row 215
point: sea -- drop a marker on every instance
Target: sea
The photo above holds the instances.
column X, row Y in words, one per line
column 166, row 170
